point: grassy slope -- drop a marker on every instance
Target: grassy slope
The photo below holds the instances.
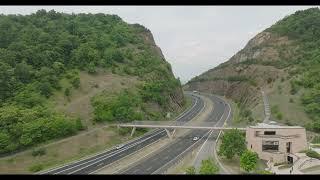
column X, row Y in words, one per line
column 79, row 103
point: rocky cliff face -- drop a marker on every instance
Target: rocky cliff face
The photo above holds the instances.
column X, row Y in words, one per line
column 253, row 68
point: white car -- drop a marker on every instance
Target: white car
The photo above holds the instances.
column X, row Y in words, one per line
column 119, row 146
column 195, row 138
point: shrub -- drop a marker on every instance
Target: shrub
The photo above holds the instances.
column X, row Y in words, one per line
column 316, row 140
column 75, row 82
column 191, row 170
column 291, row 100
column 279, row 115
column 67, row 92
column 248, row 160
column 263, row 172
column 39, row 152
column 36, row 168
column 208, row 167
column 312, row 154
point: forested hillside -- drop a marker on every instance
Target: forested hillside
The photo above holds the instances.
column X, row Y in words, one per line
column 37, row 51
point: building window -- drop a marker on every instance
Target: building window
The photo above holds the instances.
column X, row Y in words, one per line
column 269, row 133
column 270, row 145
column 257, row 133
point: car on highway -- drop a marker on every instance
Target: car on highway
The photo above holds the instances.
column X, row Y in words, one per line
column 119, row 146
column 195, row 138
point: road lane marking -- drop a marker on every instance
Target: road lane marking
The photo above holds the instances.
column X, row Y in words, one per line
column 110, row 154
column 180, row 154
column 199, row 139
column 104, row 158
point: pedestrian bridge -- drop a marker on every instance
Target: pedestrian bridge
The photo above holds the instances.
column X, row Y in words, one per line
column 173, row 125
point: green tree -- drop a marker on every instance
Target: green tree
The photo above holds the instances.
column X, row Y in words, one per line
column 208, row 167
column 67, row 92
column 45, row 89
column 91, row 68
column 232, row 143
column 248, row 160
column 7, row 81
column 4, row 141
column 76, row 82
column 23, row 72
column 191, row 170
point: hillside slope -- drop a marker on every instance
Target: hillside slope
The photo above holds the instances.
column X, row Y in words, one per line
column 61, row 73
column 283, row 60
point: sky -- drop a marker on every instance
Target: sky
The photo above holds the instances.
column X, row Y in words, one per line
column 193, row 39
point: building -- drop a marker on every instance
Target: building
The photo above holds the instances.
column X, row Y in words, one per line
column 276, row 143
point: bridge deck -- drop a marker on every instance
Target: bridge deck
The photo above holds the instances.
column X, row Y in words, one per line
column 175, row 125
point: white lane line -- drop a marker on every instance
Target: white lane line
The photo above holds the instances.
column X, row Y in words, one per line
column 193, row 143
column 110, row 154
column 93, row 155
column 149, row 168
column 137, row 160
column 202, row 147
column 111, row 164
column 136, row 170
column 188, row 110
column 180, row 154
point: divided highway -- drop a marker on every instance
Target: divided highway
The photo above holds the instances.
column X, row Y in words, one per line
column 154, row 164
column 91, row 164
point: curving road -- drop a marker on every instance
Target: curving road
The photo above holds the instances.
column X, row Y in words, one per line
column 91, row 164
column 159, row 161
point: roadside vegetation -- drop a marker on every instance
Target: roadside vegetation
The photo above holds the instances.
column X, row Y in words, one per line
column 208, row 166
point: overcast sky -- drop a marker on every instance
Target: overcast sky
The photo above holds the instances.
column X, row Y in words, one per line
column 193, row 39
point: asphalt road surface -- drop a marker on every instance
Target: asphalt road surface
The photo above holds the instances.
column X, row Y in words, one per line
column 91, row 164
column 151, row 165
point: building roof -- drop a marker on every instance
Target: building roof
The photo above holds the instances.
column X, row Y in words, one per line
column 272, row 126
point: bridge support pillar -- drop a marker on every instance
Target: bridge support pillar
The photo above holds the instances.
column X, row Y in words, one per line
column 168, row 133
column 133, row 130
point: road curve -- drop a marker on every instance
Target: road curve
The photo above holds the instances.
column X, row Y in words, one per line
column 95, row 162
column 155, row 163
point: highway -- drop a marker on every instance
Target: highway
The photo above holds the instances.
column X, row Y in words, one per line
column 155, row 163
column 95, row 162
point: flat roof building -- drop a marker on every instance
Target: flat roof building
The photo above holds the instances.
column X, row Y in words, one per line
column 276, row 143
